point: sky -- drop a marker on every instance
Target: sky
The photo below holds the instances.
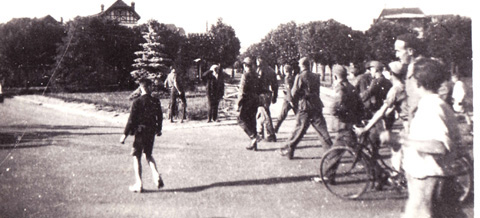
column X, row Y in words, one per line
column 251, row 19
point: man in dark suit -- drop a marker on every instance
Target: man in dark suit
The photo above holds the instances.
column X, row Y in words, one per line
column 248, row 102
column 306, row 90
column 145, row 121
column 215, row 88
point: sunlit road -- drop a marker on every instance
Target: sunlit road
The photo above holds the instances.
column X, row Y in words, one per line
column 58, row 164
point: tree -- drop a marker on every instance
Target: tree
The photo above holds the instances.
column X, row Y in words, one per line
column 27, row 50
column 225, row 42
column 380, row 38
column 96, row 53
column 284, row 40
column 152, row 61
column 450, row 39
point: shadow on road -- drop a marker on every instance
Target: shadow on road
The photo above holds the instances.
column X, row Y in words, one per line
column 267, row 181
column 32, row 136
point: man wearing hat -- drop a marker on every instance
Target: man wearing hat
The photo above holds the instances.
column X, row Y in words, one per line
column 176, row 91
column 378, row 89
column 306, row 90
column 215, row 90
column 394, row 102
column 348, row 109
column 248, row 102
column 268, row 95
column 288, row 101
column 363, row 82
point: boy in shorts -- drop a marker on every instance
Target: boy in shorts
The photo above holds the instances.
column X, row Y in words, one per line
column 145, row 121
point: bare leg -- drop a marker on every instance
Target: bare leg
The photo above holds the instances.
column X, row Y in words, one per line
column 137, row 168
column 156, row 176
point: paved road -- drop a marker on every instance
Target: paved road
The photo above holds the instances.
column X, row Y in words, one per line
column 64, row 163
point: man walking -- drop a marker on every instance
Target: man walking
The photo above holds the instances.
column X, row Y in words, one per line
column 306, row 90
column 268, row 95
column 288, row 103
column 248, row 102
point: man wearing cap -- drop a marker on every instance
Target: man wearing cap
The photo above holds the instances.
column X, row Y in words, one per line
column 268, row 95
column 248, row 102
column 363, row 82
column 377, row 90
column 395, row 101
column 349, row 110
column 215, row 90
column 288, row 102
column 306, row 90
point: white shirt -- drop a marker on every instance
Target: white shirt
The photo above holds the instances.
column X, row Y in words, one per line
column 434, row 120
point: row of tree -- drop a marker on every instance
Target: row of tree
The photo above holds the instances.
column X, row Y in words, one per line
column 330, row 42
column 93, row 53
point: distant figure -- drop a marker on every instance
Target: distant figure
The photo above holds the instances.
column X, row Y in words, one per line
column 145, row 121
column 288, row 102
column 458, row 97
column 306, row 90
column 268, row 95
column 248, row 102
column 215, row 88
column 176, row 91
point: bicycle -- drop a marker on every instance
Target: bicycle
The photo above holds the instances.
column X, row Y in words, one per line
column 359, row 170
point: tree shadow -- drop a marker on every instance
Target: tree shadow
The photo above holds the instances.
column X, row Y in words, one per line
column 30, row 136
column 267, row 181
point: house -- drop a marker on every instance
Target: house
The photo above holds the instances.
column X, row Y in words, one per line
column 412, row 17
column 121, row 12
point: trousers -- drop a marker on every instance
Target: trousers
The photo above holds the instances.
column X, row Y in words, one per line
column 303, row 121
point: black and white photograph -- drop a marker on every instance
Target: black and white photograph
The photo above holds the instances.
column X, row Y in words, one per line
column 219, row 109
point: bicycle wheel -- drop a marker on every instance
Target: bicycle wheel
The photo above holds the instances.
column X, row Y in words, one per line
column 345, row 174
column 463, row 179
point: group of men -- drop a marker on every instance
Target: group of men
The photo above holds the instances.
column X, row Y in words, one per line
column 416, row 93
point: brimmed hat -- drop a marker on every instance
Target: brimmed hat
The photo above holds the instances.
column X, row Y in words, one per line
column 339, row 70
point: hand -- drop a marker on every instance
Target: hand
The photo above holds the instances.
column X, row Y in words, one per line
column 237, row 108
column 122, row 139
column 358, row 130
column 274, row 100
column 159, row 133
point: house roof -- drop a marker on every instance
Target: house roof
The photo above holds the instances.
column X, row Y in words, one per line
column 401, row 13
column 119, row 4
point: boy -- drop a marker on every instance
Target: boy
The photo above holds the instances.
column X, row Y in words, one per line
column 145, row 122
column 430, row 147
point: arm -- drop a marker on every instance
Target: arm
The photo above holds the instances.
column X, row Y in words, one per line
column 274, row 85
column 159, row 119
column 131, row 123
column 241, row 90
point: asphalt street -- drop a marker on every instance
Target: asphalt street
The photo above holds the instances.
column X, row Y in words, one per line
column 65, row 161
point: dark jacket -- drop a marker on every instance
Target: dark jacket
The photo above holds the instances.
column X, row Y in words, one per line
column 268, row 81
column 215, row 86
column 347, row 106
column 363, row 83
column 376, row 93
column 145, row 111
column 249, row 90
column 306, row 90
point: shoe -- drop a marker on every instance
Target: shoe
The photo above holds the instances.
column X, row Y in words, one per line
column 136, row 188
column 271, row 139
column 218, row 121
column 253, row 145
column 209, row 121
column 159, row 182
column 286, row 152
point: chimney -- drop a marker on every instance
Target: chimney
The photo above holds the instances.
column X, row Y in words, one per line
column 102, row 6
column 133, row 6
